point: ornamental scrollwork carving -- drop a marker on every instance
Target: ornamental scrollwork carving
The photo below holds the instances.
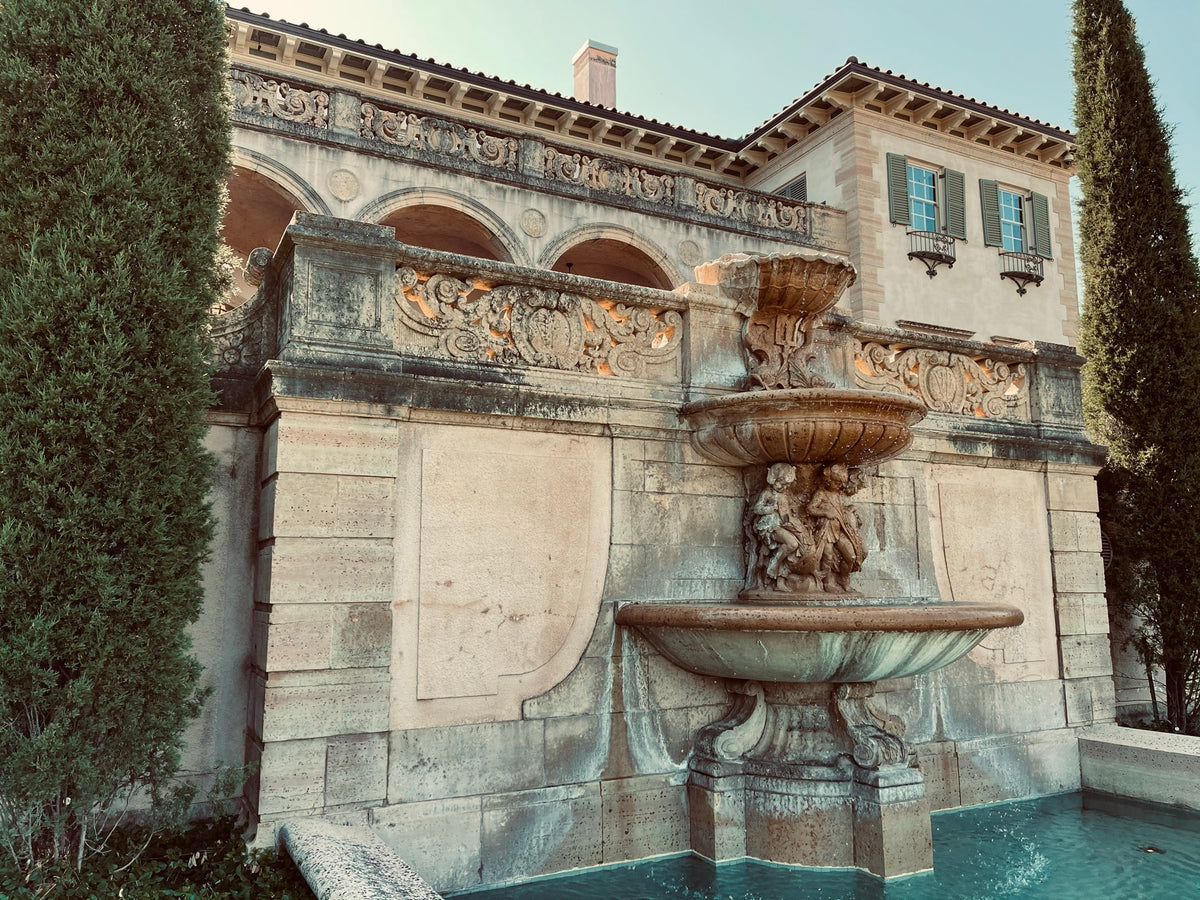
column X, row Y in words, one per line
column 255, row 94
column 430, row 135
column 533, row 326
column 878, row 738
column 945, row 381
column 778, row 352
column 240, row 337
column 753, row 208
column 610, row 176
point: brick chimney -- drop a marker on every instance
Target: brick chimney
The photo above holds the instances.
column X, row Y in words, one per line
column 596, row 74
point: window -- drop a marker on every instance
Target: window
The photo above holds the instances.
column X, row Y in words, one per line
column 926, row 199
column 1012, row 223
column 796, row 190
column 1016, row 221
column 922, row 198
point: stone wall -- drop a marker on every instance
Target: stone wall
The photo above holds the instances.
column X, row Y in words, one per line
column 448, row 514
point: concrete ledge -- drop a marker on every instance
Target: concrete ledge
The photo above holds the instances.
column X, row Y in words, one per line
column 1143, row 765
column 348, row 862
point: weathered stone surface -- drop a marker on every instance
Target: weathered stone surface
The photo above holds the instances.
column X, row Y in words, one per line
column 537, row 832
column 1070, row 491
column 322, row 703
column 1090, row 701
column 969, row 710
column 336, row 570
column 1078, row 573
column 441, row 839
column 1086, row 656
column 644, row 816
column 1144, row 765
column 305, row 442
column 356, row 769
column 344, row 506
column 434, row 763
column 1009, row 767
column 939, row 765
column 346, row 863
column 892, row 832
column 805, row 829
column 291, row 777
column 1074, row 531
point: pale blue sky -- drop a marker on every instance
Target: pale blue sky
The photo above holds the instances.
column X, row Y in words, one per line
column 726, row 67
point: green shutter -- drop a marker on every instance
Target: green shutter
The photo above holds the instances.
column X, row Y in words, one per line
column 989, row 202
column 956, row 205
column 796, row 190
column 897, row 177
column 1039, row 225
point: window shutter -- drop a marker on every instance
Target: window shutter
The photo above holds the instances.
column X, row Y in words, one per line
column 956, row 205
column 796, row 190
column 989, row 202
column 897, row 177
column 1039, row 225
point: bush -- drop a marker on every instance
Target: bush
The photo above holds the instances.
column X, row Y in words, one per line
column 208, row 860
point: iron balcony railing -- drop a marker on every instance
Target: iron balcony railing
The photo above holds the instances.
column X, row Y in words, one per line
column 933, row 248
column 1022, row 268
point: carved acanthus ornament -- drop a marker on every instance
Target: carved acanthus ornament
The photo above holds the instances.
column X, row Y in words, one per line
column 753, row 208
column 534, row 326
column 610, row 176
column 430, row 135
column 878, row 737
column 255, row 94
column 240, row 337
column 945, row 381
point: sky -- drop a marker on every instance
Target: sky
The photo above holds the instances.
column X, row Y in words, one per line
column 726, row 68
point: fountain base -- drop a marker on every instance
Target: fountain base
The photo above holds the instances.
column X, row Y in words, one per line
column 809, row 774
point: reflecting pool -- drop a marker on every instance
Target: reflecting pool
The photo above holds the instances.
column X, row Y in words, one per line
column 1063, row 847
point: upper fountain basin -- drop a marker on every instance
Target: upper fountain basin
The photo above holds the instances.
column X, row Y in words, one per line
column 803, row 425
column 813, row 644
column 802, row 282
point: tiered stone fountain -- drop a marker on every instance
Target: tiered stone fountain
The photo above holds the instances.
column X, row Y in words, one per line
column 803, row 769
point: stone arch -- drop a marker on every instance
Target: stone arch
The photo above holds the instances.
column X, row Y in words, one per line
column 443, row 220
column 263, row 195
column 613, row 253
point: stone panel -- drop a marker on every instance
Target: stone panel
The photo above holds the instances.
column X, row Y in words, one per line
column 1006, row 768
column 1090, row 701
column 582, row 692
column 1144, row 765
column 1077, row 531
column 488, row 758
column 538, row 832
column 440, row 839
column 502, row 555
column 969, row 709
column 1079, row 573
column 801, row 829
column 333, row 506
column 1070, row 491
column 992, row 525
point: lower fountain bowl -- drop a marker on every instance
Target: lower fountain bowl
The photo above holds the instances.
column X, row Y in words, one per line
column 804, row 643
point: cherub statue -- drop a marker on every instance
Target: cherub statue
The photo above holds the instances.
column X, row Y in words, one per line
column 837, row 529
column 784, row 541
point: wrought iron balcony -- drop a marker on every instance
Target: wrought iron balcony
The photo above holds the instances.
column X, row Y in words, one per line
column 1023, row 268
column 933, row 248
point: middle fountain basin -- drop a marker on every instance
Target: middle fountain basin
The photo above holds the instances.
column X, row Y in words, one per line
column 813, row 643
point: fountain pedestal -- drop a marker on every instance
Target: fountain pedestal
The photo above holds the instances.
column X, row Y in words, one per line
column 803, row 769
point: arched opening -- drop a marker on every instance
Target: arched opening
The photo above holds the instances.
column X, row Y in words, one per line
column 449, row 230
column 259, row 210
column 614, row 261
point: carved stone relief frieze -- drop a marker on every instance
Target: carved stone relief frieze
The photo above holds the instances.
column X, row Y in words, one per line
column 946, row 381
column 753, row 208
column 778, row 351
column 254, row 94
column 427, row 134
column 533, row 326
column 599, row 174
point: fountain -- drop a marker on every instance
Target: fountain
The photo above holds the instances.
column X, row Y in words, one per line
column 803, row 769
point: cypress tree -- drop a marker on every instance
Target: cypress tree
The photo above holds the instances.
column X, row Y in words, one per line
column 1141, row 334
column 114, row 147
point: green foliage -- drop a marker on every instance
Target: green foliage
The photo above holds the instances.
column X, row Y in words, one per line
column 1141, row 334
column 207, row 860
column 114, row 144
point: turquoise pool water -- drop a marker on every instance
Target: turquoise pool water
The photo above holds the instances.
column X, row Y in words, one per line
column 1067, row 847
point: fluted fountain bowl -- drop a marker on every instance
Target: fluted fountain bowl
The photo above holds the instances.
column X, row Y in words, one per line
column 804, row 643
column 803, row 425
column 802, row 282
